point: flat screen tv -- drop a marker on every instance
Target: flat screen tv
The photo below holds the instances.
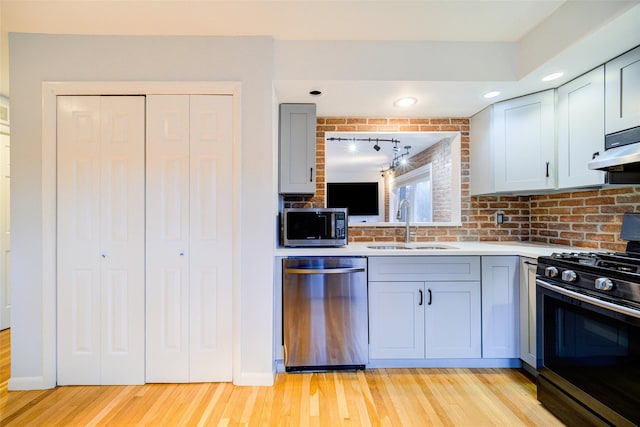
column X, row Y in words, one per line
column 361, row 198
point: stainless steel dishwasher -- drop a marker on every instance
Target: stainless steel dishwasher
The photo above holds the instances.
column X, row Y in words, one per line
column 325, row 313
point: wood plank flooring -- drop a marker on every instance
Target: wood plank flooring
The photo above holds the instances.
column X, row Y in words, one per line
column 376, row 397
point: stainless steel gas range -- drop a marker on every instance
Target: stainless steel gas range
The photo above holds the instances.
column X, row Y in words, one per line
column 588, row 333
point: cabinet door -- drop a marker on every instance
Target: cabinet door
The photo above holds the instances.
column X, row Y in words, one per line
column 481, row 172
column 623, row 92
column 210, row 238
column 524, row 131
column 167, row 332
column 297, row 148
column 189, row 240
column 396, row 320
column 452, row 320
column 5, row 230
column 528, row 311
column 500, row 283
column 100, row 202
column 580, row 129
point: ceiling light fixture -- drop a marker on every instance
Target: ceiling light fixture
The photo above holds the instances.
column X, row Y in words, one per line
column 405, row 102
column 315, row 92
column 492, row 94
column 552, row 76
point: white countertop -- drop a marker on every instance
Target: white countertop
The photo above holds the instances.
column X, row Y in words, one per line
column 532, row 250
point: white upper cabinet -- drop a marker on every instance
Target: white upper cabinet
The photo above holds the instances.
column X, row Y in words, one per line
column 297, row 148
column 481, row 153
column 524, row 147
column 580, row 129
column 623, row 92
column 513, row 145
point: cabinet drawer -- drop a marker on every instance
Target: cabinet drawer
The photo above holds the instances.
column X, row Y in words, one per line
column 424, row 268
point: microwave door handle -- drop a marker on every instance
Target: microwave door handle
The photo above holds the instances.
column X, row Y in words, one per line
column 333, row 225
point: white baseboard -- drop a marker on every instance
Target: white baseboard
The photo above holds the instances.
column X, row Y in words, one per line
column 29, row 383
column 255, row 379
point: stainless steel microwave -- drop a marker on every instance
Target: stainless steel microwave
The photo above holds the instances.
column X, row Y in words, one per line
column 314, row 227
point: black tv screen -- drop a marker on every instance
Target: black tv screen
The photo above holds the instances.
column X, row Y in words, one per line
column 361, row 198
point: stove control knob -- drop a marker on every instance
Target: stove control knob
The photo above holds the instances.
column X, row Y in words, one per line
column 569, row 276
column 604, row 284
column 551, row 272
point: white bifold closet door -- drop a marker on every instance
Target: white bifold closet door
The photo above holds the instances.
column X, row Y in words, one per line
column 189, row 240
column 100, row 235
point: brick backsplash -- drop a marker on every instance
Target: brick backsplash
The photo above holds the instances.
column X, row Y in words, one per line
column 586, row 219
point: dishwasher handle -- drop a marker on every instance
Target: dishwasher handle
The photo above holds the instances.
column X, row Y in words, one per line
column 343, row 270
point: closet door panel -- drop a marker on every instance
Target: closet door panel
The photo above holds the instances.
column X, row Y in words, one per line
column 78, row 188
column 211, row 245
column 167, row 330
column 122, row 257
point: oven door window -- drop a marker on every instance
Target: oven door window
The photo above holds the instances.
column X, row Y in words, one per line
column 597, row 352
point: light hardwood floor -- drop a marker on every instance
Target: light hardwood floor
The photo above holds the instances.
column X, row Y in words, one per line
column 376, row 397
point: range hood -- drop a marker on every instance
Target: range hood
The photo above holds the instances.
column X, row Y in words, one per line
column 621, row 158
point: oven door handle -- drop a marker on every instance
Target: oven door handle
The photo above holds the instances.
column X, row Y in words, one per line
column 345, row 270
column 585, row 298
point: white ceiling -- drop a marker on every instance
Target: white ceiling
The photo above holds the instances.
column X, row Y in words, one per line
column 364, row 54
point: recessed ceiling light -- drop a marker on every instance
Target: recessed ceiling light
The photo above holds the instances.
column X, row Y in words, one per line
column 552, row 76
column 405, row 102
column 492, row 94
column 315, row 93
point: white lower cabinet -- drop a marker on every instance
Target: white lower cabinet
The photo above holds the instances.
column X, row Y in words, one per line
column 528, row 311
column 452, row 320
column 412, row 317
column 500, row 290
column 396, row 320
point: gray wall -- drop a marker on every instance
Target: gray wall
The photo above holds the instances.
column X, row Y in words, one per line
column 35, row 58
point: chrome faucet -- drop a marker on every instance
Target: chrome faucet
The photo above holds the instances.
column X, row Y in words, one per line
column 405, row 203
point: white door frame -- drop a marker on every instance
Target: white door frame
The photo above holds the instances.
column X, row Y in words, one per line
column 50, row 90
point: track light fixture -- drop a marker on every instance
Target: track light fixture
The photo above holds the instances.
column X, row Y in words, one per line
column 398, row 158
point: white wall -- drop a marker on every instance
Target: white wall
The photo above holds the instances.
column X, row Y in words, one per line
column 35, row 58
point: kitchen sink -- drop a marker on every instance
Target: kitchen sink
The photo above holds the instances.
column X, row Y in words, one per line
column 392, row 246
column 389, row 247
column 433, row 247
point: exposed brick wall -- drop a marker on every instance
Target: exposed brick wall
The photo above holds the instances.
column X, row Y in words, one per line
column 586, row 219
